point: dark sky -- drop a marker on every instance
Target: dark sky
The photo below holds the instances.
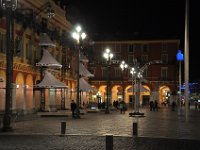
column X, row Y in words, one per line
column 126, row 19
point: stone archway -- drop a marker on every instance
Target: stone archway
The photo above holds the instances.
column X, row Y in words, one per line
column 102, row 90
column 28, row 93
column 164, row 95
column 116, row 93
column 18, row 93
column 2, row 90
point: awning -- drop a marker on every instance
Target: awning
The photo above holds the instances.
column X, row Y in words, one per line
column 49, row 81
column 45, row 40
column 142, row 89
column 84, row 72
column 85, row 86
column 48, row 60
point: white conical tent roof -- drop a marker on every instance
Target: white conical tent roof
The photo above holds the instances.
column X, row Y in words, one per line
column 48, row 60
column 85, row 86
column 49, row 81
column 45, row 40
column 84, row 72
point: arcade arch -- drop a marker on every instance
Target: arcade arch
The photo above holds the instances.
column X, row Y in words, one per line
column 164, row 94
column 28, row 92
column 2, row 89
column 18, row 91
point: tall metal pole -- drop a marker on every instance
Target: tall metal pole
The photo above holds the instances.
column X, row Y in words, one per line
column 138, row 95
column 135, row 89
column 107, row 87
column 9, row 64
column 78, row 77
column 123, row 85
column 79, row 38
column 186, row 62
column 132, row 91
column 180, row 84
column 7, row 115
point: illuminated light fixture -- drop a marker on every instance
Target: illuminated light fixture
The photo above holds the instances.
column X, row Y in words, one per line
column 9, row 4
column 50, row 11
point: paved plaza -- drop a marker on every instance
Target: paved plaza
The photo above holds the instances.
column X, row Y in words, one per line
column 163, row 130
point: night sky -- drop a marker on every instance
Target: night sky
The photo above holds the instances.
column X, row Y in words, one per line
column 132, row 19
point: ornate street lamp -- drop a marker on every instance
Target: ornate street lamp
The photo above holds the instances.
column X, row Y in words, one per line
column 123, row 66
column 136, row 76
column 133, row 72
column 108, row 56
column 78, row 36
column 8, row 6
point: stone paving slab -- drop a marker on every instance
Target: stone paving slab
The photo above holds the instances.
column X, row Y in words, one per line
column 80, row 142
column 162, row 130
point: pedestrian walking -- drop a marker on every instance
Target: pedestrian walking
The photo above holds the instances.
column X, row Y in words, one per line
column 155, row 105
column 173, row 105
column 151, row 105
column 122, row 106
column 73, row 108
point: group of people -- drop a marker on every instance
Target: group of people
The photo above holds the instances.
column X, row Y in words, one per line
column 120, row 105
column 153, row 105
column 116, row 104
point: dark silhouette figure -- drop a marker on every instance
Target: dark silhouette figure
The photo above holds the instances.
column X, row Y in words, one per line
column 151, row 105
column 173, row 105
column 73, row 108
column 116, row 103
column 122, row 106
column 155, row 105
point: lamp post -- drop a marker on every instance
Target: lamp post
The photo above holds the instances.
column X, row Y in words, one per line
column 8, row 6
column 108, row 56
column 179, row 58
column 137, row 77
column 186, row 62
column 133, row 87
column 123, row 66
column 78, row 36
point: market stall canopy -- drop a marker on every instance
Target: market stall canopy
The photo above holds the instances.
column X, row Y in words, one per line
column 48, row 60
column 49, row 81
column 84, row 72
column 142, row 89
column 45, row 40
column 85, row 86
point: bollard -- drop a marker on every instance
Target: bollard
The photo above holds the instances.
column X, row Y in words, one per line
column 109, row 142
column 135, row 129
column 63, row 127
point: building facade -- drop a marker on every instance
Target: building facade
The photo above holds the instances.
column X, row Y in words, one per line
column 160, row 80
column 30, row 20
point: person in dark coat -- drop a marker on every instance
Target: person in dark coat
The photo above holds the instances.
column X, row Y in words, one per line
column 73, row 108
column 173, row 105
column 151, row 105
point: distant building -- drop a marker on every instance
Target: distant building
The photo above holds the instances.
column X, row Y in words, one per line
column 161, row 78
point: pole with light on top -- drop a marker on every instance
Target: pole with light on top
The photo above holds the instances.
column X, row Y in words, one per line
column 179, row 58
column 79, row 37
column 123, row 66
column 108, row 56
